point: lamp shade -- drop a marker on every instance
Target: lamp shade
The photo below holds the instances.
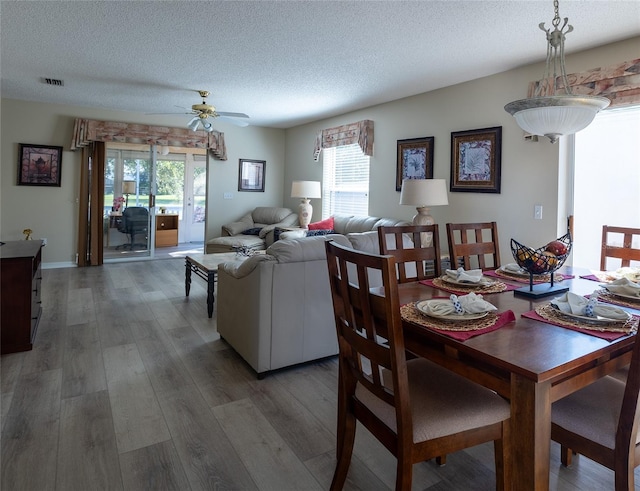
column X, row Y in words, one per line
column 305, row 189
column 128, row 187
column 557, row 115
column 424, row 192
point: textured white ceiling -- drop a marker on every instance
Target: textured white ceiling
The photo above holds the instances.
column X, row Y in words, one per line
column 283, row 63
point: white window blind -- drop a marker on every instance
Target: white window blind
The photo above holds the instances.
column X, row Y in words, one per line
column 345, row 181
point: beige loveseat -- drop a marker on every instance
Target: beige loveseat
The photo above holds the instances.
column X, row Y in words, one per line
column 261, row 221
column 275, row 309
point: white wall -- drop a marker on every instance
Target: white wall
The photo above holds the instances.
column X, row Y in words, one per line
column 529, row 170
column 52, row 212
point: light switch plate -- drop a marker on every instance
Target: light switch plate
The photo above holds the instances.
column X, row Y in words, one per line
column 537, row 212
column 227, row 195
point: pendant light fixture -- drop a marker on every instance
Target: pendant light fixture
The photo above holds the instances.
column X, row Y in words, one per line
column 554, row 112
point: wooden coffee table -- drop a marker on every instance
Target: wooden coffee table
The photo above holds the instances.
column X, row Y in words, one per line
column 206, row 267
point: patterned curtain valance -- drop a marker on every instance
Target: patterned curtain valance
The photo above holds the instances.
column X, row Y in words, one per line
column 348, row 134
column 620, row 83
column 86, row 131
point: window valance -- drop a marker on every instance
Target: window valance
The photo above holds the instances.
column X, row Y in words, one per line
column 620, row 83
column 86, row 131
column 348, row 134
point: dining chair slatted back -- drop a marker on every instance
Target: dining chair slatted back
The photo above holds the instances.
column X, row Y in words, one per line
column 611, row 247
column 601, row 421
column 471, row 244
column 416, row 409
column 415, row 248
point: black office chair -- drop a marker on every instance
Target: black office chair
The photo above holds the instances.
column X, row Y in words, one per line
column 134, row 221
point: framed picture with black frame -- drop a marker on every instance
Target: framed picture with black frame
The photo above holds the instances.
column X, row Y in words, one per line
column 251, row 175
column 476, row 160
column 415, row 159
column 39, row 165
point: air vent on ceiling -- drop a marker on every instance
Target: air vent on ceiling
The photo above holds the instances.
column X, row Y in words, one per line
column 53, row 81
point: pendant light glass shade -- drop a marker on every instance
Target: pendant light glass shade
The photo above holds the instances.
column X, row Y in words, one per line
column 550, row 113
column 556, row 116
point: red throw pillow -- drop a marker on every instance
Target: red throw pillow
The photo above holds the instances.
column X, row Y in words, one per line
column 326, row 224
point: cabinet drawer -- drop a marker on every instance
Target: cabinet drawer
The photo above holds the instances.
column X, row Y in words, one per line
column 166, row 238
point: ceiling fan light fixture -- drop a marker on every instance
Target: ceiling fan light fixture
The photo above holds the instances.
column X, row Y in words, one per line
column 557, row 114
column 193, row 124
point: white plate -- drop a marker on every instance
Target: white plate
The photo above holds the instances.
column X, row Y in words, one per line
column 592, row 320
column 422, row 308
column 484, row 282
column 523, row 273
column 623, row 295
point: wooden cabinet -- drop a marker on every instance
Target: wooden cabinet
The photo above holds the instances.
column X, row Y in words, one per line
column 166, row 230
column 20, row 290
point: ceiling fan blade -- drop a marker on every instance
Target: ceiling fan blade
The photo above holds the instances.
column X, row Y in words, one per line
column 232, row 115
column 238, row 122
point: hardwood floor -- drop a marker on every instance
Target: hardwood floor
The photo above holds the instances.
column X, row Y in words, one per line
column 129, row 387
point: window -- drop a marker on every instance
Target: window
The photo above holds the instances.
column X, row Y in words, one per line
column 606, row 181
column 345, row 181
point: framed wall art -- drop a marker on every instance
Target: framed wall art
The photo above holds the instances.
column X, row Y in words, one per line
column 251, row 175
column 476, row 160
column 415, row 159
column 39, row 165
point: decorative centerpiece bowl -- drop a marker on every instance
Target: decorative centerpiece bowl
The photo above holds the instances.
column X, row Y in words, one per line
column 543, row 260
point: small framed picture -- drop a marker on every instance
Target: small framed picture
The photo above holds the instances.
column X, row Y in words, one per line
column 476, row 160
column 251, row 175
column 415, row 159
column 39, row 165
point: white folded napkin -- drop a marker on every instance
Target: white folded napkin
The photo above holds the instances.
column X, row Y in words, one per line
column 578, row 305
column 459, row 305
column 624, row 286
column 471, row 276
column 514, row 268
column 628, row 272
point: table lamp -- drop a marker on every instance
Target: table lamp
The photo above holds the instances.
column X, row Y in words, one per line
column 424, row 193
column 305, row 190
column 128, row 187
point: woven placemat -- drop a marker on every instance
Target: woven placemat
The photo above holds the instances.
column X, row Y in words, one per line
column 554, row 316
column 410, row 313
column 609, row 297
column 496, row 287
column 537, row 278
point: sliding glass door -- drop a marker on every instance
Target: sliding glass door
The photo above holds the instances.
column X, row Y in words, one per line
column 164, row 187
column 128, row 201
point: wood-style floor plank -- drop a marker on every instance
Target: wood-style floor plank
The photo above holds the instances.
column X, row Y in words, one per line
column 83, row 368
column 270, row 461
column 88, row 457
column 209, row 459
column 154, row 467
column 137, row 417
column 30, row 434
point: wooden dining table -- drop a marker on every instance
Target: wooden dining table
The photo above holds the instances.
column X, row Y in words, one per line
column 529, row 362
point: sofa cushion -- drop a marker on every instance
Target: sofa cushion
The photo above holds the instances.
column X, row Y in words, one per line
column 228, row 244
column 235, row 228
column 326, row 224
column 252, row 231
column 269, row 215
column 304, row 249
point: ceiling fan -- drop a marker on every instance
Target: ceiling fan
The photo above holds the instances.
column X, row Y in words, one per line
column 202, row 112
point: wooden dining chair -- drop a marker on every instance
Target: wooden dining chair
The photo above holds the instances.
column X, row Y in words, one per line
column 407, row 244
column 415, row 408
column 600, row 422
column 625, row 252
column 471, row 243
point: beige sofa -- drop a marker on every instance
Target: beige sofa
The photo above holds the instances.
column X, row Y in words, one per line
column 264, row 218
column 275, row 309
